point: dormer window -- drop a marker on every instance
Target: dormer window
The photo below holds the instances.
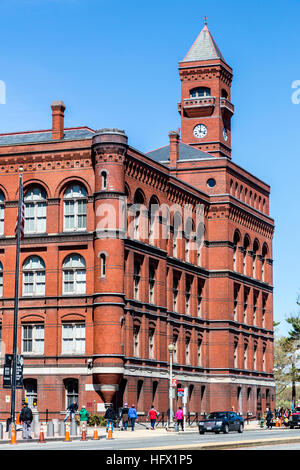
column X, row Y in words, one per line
column 200, row 92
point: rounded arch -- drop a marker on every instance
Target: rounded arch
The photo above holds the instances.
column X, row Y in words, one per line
column 246, row 241
column 139, row 197
column 265, row 250
column 256, row 245
column 72, row 180
column 200, row 92
column 237, row 237
column 74, row 260
column 33, row 262
column 35, row 182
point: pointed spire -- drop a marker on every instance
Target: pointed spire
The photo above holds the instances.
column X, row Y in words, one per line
column 204, row 48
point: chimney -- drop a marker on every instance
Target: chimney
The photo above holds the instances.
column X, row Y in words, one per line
column 58, row 112
column 174, row 148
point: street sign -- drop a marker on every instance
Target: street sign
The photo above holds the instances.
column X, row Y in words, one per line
column 174, row 382
column 180, row 392
column 7, row 371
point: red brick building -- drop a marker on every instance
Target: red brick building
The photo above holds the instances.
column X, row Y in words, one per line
column 126, row 252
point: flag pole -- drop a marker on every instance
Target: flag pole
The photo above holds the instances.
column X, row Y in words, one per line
column 16, row 305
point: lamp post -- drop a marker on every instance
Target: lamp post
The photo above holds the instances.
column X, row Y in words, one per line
column 171, row 348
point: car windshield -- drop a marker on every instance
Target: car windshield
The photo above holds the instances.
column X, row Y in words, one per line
column 216, row 415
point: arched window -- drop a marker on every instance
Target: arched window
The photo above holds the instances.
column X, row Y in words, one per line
column 138, row 221
column 2, row 202
column 263, row 262
column 102, row 265
column 35, row 210
column 75, row 199
column 200, row 92
column 153, row 220
column 224, row 94
column 255, row 250
column 74, row 275
column 103, row 179
column 236, row 241
column 34, row 276
column 189, row 231
column 245, row 248
column 177, row 224
column 187, row 349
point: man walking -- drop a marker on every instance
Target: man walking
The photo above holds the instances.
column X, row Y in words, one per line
column 125, row 410
column 269, row 417
column 26, row 420
column 110, row 416
column 133, row 416
column 71, row 410
column 152, row 414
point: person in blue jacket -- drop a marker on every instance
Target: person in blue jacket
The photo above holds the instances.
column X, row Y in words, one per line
column 133, row 416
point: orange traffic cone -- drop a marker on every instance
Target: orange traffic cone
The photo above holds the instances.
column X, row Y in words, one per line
column 42, row 436
column 67, row 434
column 83, row 433
column 277, row 422
column 13, row 439
column 95, row 436
column 18, row 419
column 110, row 434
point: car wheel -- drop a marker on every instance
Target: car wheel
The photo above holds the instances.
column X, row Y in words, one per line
column 202, row 432
column 291, row 426
column 226, row 429
column 217, row 432
column 241, row 428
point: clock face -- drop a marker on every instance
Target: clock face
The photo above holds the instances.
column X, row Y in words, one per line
column 200, row 131
column 225, row 135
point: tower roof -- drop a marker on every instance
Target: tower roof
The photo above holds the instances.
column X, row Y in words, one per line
column 204, row 48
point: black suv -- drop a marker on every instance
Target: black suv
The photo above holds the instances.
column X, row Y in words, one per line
column 221, row 421
column 294, row 419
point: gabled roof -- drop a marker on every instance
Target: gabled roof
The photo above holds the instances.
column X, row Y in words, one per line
column 44, row 136
column 204, row 48
column 186, row 152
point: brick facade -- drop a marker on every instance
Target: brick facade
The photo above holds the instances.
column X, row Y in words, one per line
column 101, row 299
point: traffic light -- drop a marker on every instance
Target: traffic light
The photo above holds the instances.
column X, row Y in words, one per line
column 34, row 402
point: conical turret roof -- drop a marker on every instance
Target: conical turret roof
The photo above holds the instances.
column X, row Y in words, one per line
column 204, row 48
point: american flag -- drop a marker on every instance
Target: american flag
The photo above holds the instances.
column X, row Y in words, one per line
column 22, row 215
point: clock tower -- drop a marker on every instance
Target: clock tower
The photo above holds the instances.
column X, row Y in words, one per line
column 205, row 107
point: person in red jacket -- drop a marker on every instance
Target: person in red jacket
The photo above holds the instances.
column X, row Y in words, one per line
column 152, row 414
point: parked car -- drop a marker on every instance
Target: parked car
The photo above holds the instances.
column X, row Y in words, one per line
column 294, row 419
column 221, row 421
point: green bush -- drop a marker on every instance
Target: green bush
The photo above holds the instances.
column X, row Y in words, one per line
column 96, row 420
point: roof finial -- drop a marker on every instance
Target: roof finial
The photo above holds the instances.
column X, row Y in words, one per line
column 205, row 20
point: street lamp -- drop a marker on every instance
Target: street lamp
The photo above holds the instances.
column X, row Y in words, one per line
column 171, row 349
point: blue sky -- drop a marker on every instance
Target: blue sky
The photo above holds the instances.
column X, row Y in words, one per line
column 115, row 64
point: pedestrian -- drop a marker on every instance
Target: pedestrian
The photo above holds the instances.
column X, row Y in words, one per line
column 71, row 410
column 179, row 418
column 153, row 415
column 269, row 417
column 119, row 422
column 110, row 416
column 133, row 416
column 26, row 420
column 84, row 415
column 125, row 410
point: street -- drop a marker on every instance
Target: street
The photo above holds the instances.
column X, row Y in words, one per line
column 250, row 439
